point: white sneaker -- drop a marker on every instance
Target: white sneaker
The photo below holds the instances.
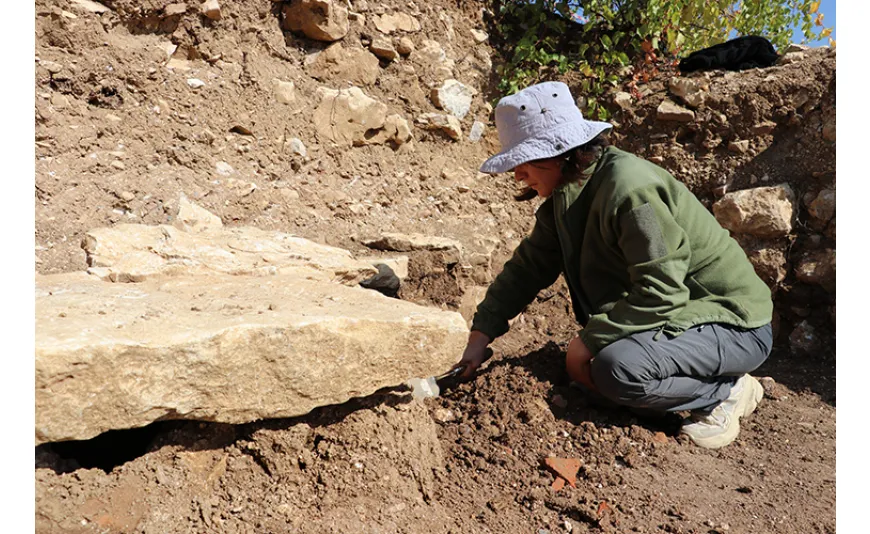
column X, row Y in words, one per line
column 722, row 425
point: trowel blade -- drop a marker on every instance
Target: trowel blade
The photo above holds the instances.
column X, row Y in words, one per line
column 424, row 388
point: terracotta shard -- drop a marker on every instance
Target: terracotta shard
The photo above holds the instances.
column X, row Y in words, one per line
column 558, row 484
column 660, row 437
column 565, row 467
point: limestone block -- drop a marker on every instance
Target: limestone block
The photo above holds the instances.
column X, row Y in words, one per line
column 761, row 211
column 136, row 252
column 232, row 349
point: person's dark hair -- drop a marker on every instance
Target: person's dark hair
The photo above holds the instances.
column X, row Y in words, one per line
column 576, row 161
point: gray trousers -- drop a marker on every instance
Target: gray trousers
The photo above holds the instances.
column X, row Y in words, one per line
column 692, row 371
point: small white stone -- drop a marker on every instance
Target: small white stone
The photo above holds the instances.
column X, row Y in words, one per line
column 285, row 92
column 195, row 83
column 479, row 36
column 477, row 130
column 297, row 147
column 223, row 168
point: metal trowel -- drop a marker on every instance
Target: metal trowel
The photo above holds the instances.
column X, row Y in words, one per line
column 425, row 388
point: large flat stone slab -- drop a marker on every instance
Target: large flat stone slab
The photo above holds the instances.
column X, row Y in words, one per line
column 138, row 252
column 219, row 347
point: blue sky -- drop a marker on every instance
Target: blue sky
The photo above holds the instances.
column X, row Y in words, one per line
column 829, row 8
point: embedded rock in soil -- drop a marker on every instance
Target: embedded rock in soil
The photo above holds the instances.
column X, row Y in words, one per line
column 296, row 146
column 222, row 348
column 770, row 264
column 285, row 92
column 137, row 252
column 453, row 96
column 791, row 57
column 804, row 340
column 445, row 123
column 348, row 116
column 396, row 21
column 195, row 219
column 688, row 90
column 668, row 111
column 383, row 48
column 396, row 129
column 763, row 211
column 819, row 267
column 622, row 99
column 174, row 10
column 451, row 248
column 432, row 57
column 322, row 20
column 683, row 86
column 405, row 46
column 479, row 36
column 824, row 205
column 89, row 6
column 342, row 65
column 739, row 147
column 477, row 130
column 211, row 9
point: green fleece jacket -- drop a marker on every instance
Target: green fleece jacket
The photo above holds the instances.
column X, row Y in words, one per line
column 638, row 251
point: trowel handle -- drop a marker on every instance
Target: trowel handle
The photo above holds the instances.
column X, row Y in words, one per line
column 451, row 373
column 456, row 371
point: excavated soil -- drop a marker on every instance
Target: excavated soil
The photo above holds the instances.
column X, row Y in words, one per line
column 469, row 461
column 119, row 137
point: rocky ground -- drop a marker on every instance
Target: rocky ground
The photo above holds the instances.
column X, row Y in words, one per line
column 139, row 102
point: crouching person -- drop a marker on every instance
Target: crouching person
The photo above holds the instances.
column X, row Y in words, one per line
column 674, row 316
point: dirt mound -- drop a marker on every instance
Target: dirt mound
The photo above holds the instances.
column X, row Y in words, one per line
column 146, row 101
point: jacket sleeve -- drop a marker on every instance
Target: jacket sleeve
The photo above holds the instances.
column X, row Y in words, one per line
column 658, row 255
column 536, row 264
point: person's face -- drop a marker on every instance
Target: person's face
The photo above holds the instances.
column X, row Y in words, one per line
column 542, row 175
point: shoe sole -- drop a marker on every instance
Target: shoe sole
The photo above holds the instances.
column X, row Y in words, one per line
column 747, row 404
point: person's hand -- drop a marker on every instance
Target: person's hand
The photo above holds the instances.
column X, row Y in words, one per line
column 474, row 355
column 578, row 360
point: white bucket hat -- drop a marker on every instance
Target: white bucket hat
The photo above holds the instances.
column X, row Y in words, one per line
column 541, row 121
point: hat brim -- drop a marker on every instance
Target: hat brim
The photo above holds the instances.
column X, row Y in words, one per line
column 552, row 143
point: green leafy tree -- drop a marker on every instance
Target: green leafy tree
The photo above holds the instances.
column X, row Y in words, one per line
column 600, row 38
